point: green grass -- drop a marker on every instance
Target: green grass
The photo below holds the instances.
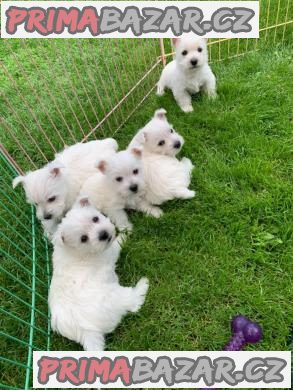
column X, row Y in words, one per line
column 229, row 250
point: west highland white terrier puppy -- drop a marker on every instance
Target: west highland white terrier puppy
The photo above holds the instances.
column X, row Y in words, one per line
column 119, row 185
column 165, row 176
column 189, row 72
column 85, row 297
column 53, row 189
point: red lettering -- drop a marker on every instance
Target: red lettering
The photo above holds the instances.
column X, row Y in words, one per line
column 89, row 18
column 68, row 19
column 99, row 368
column 66, row 372
column 35, row 17
column 121, row 369
column 15, row 16
column 47, row 367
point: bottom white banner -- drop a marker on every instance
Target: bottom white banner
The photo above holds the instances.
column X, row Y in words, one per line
column 149, row 369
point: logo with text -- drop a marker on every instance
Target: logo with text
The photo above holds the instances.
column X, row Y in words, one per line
column 129, row 19
column 162, row 369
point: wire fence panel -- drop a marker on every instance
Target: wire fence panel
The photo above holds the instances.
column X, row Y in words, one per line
column 24, row 267
column 85, row 90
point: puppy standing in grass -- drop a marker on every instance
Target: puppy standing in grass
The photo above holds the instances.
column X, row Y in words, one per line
column 165, row 176
column 85, row 297
column 189, row 72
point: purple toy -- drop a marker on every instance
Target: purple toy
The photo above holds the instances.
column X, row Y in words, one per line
column 244, row 331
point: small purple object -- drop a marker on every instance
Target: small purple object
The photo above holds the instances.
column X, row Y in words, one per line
column 244, row 332
column 252, row 333
column 238, row 323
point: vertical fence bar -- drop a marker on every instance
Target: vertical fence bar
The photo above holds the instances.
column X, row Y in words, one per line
column 162, row 48
column 32, row 321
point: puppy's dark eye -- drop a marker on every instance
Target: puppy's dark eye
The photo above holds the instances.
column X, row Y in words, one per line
column 84, row 238
column 184, row 52
column 119, row 178
column 52, row 199
column 199, row 49
column 135, row 171
column 96, row 219
column 171, row 130
column 161, row 143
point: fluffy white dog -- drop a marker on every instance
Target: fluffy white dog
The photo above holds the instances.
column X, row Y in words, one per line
column 189, row 72
column 85, row 297
column 165, row 176
column 119, row 185
column 54, row 188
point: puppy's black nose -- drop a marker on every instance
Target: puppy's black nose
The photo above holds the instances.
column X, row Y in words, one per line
column 133, row 187
column 103, row 235
column 48, row 216
column 193, row 62
column 177, row 144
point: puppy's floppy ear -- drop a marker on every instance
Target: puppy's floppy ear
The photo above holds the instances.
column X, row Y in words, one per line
column 137, row 152
column 17, row 180
column 102, row 166
column 175, row 41
column 84, row 201
column 160, row 114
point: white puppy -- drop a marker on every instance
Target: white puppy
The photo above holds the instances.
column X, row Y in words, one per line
column 54, row 188
column 85, row 297
column 118, row 185
column 189, row 72
column 165, row 176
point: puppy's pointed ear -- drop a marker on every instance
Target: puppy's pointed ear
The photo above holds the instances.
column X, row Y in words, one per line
column 58, row 238
column 175, row 41
column 102, row 166
column 55, row 169
column 17, row 180
column 84, row 201
column 137, row 152
column 140, row 138
column 160, row 114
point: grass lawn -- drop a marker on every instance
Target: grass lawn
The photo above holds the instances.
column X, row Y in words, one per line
column 227, row 251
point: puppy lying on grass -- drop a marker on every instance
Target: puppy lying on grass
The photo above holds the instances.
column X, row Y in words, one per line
column 54, row 188
column 189, row 72
column 85, row 297
column 165, row 176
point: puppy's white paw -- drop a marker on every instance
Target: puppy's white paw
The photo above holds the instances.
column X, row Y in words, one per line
column 190, row 194
column 121, row 238
column 212, row 95
column 185, row 194
column 140, row 291
column 156, row 212
column 187, row 108
column 127, row 228
column 187, row 162
column 160, row 90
